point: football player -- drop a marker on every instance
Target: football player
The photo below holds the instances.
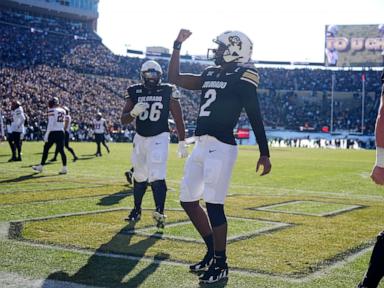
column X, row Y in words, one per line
column 331, row 52
column 99, row 129
column 17, row 128
column 226, row 89
column 54, row 135
column 149, row 104
column 375, row 270
column 67, row 131
column 8, row 124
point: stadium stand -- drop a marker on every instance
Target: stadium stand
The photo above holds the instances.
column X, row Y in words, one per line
column 43, row 56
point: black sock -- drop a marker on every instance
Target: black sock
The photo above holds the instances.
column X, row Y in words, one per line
column 159, row 190
column 220, row 258
column 139, row 189
column 209, row 243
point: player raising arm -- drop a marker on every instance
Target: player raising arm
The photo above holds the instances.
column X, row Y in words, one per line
column 226, row 89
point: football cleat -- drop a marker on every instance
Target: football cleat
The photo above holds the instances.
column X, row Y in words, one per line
column 203, row 264
column 129, row 176
column 214, row 273
column 38, row 168
column 159, row 219
column 134, row 216
column 75, row 159
column 63, row 170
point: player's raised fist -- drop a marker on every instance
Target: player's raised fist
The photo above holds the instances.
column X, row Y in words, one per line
column 183, row 35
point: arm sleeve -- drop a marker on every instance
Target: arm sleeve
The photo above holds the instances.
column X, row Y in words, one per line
column 251, row 104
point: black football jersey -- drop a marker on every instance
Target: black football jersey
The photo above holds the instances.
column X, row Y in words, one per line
column 154, row 120
column 224, row 94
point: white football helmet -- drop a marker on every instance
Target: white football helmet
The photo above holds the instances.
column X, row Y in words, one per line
column 234, row 47
column 332, row 30
column 151, row 73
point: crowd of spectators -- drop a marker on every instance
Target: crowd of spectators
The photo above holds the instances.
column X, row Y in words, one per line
column 44, row 56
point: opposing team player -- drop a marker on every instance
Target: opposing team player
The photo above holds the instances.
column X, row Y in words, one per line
column 226, row 89
column 99, row 129
column 17, row 128
column 150, row 103
column 67, row 131
column 54, row 135
column 375, row 270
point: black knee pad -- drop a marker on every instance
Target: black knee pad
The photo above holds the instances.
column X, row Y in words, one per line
column 216, row 214
column 189, row 206
column 159, row 185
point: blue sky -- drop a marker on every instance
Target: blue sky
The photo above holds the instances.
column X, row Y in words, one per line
column 290, row 30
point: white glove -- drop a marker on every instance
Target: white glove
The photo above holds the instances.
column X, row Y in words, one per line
column 46, row 137
column 182, row 151
column 138, row 109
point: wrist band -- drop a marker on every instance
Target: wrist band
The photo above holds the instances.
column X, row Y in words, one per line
column 379, row 157
column 177, row 45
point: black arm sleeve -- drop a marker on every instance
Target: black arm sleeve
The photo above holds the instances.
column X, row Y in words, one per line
column 251, row 104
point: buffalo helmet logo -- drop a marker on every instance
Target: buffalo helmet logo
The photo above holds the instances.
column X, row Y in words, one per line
column 235, row 41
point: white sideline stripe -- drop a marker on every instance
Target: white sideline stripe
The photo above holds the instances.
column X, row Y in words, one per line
column 4, row 230
column 269, row 208
column 312, row 276
column 274, row 225
column 13, row 280
column 70, row 214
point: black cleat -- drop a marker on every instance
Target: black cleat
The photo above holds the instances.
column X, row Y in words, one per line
column 134, row 216
column 75, row 159
column 12, row 159
column 129, row 176
column 203, row 264
column 214, row 273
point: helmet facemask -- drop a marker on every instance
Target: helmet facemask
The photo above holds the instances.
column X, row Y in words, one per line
column 151, row 77
column 217, row 54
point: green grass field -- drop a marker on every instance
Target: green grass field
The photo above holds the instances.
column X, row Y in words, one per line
column 310, row 223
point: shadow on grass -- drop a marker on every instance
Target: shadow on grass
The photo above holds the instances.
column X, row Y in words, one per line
column 115, row 198
column 25, row 177
column 84, row 157
column 30, row 166
column 109, row 267
column 219, row 284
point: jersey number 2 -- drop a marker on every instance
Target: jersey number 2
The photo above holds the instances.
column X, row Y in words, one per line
column 211, row 96
column 153, row 113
